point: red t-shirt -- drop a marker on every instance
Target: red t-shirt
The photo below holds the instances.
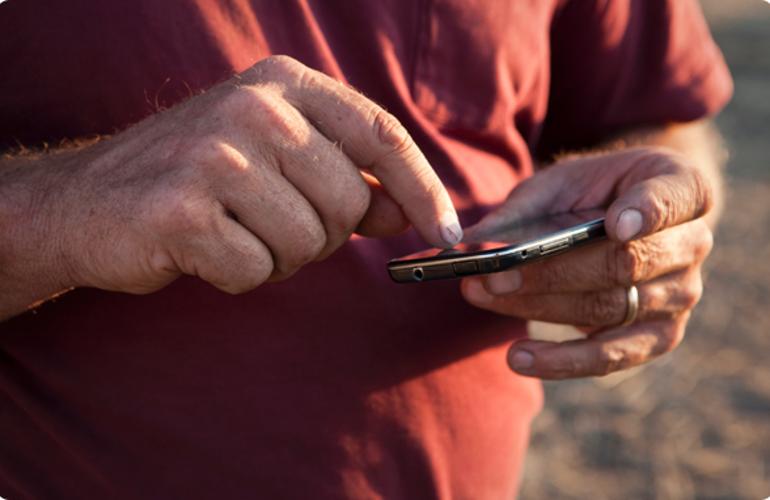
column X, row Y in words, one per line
column 337, row 382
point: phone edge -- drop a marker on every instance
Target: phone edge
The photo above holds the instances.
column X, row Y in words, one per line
column 496, row 260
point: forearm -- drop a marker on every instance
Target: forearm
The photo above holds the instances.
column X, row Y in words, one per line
column 700, row 142
column 32, row 266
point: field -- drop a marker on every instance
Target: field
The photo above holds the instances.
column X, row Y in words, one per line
column 696, row 423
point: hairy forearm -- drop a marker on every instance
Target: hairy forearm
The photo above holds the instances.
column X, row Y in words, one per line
column 700, row 142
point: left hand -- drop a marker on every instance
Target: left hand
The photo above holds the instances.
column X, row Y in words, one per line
column 657, row 241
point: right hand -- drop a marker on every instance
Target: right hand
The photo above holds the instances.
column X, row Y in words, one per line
column 244, row 183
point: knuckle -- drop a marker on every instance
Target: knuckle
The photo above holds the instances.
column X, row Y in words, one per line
column 703, row 190
column 309, row 79
column 389, row 132
column 706, row 242
column 232, row 160
column 347, row 197
column 256, row 268
column 660, row 210
column 216, row 158
column 315, row 245
column 631, row 260
column 671, row 335
column 361, row 198
column 262, row 269
column 209, row 159
column 307, row 243
column 205, row 150
column 690, row 191
column 611, row 359
column 236, row 287
column 244, row 104
column 249, row 281
column 279, row 65
column 271, row 115
column 246, row 99
column 356, row 205
column 655, row 301
column 693, row 293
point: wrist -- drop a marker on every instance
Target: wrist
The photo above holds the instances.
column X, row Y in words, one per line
column 32, row 226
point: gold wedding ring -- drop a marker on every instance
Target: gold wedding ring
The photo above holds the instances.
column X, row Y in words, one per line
column 633, row 305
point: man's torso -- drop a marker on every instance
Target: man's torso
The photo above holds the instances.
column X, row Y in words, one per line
column 336, row 382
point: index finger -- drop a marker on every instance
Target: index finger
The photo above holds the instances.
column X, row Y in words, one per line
column 659, row 190
column 375, row 140
column 608, row 264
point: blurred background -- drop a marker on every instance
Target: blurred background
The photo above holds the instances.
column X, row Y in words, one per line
column 696, row 423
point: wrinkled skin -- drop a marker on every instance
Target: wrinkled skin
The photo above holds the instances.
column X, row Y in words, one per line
column 245, row 183
column 658, row 241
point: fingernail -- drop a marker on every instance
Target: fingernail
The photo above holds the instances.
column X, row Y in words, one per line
column 477, row 293
column 505, row 282
column 521, row 360
column 629, row 224
column 451, row 232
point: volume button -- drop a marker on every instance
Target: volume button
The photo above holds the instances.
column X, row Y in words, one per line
column 554, row 246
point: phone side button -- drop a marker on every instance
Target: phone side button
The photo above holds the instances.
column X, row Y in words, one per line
column 582, row 235
column 489, row 265
column 554, row 246
column 465, row 268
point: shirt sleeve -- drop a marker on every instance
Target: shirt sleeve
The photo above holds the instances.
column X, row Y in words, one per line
column 622, row 64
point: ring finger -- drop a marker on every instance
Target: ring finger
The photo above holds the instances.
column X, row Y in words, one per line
column 661, row 298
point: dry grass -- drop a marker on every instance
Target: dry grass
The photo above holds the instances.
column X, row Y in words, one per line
column 695, row 424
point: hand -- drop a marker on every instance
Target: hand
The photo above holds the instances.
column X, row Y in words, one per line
column 657, row 241
column 247, row 182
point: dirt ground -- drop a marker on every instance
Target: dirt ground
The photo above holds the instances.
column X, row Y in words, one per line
column 696, row 423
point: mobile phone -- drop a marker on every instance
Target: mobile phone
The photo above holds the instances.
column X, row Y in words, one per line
column 503, row 249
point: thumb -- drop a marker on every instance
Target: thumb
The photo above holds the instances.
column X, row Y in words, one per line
column 660, row 190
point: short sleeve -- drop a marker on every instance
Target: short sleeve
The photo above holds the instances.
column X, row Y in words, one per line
column 621, row 64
